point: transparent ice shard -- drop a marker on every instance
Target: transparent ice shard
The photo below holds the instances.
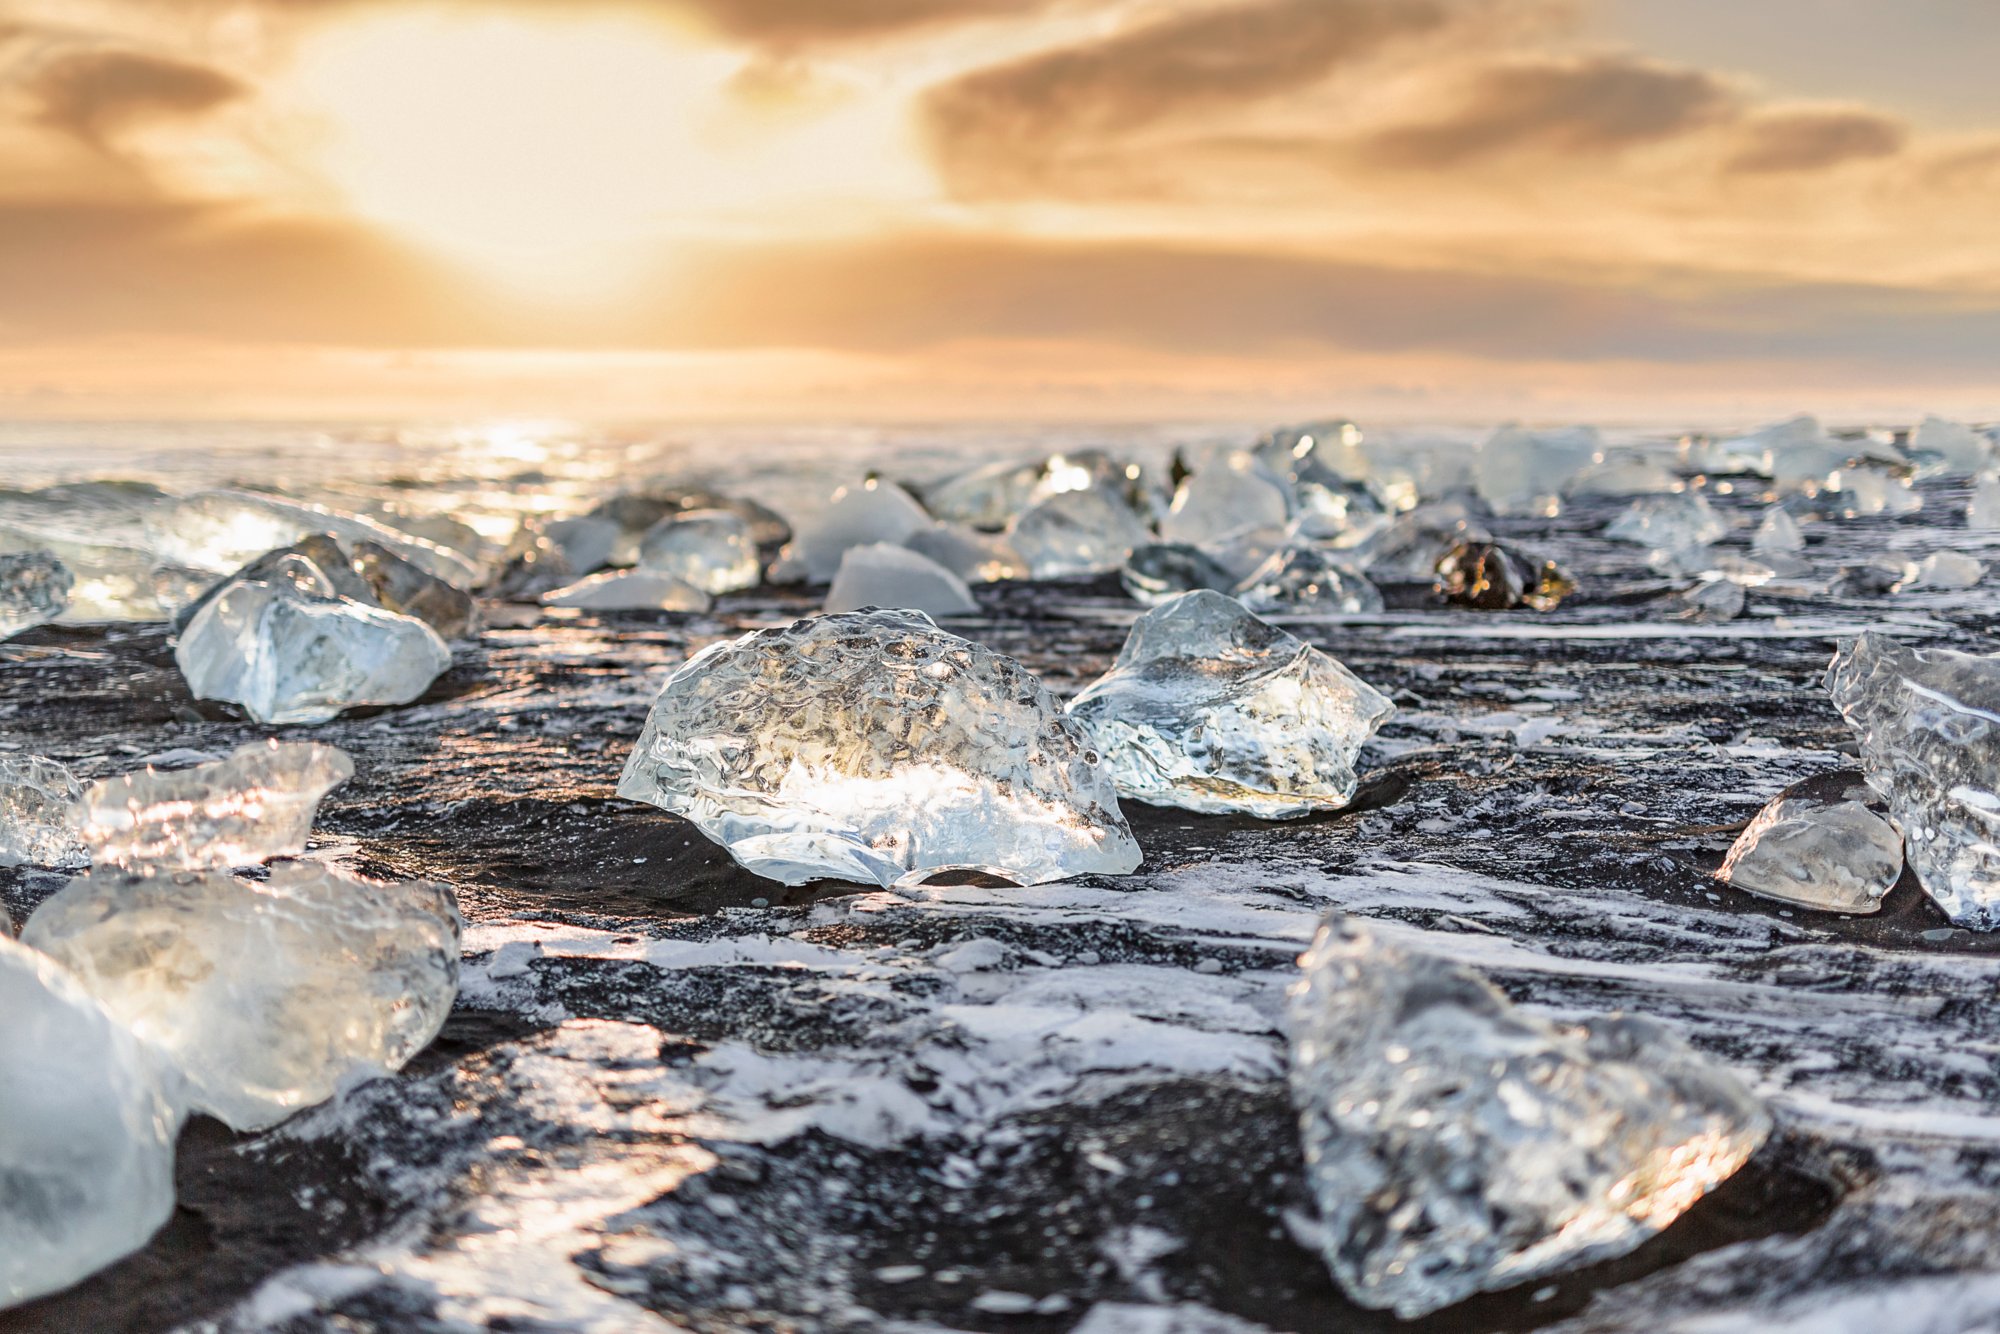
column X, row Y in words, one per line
column 1709, row 600
column 408, row 590
column 1929, row 724
column 637, row 511
column 1526, row 472
column 1864, row 490
column 1229, row 494
column 873, row 511
column 628, row 590
column 221, row 531
column 1949, row 449
column 1819, row 844
column 34, row 590
column 880, row 575
column 976, row 557
column 291, row 652
column 873, row 746
column 1489, row 577
column 993, row 495
column 713, row 550
column 1161, row 571
column 1409, row 549
column 586, row 541
column 1777, row 535
column 1305, row 579
column 1982, row 508
column 257, row 804
column 1077, row 532
column 1945, row 569
column 1458, row 1145
column 1671, row 526
column 1625, row 472
column 98, row 530
column 1210, row 709
column 264, row 994
column 87, row 1129
column 38, row 818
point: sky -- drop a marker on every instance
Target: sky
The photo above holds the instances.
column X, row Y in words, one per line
column 1628, row 210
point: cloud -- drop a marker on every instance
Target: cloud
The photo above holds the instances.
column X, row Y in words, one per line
column 94, row 94
column 1584, row 107
column 1011, row 121
column 1793, row 141
column 802, row 22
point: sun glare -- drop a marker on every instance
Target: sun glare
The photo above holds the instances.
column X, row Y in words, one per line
column 556, row 148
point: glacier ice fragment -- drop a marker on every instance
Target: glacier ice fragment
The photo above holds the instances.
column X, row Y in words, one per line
column 1459, row 1145
column 1709, row 600
column 87, row 1129
column 873, row 746
column 38, row 815
column 872, row 511
column 1777, row 534
column 713, row 550
column 1982, row 508
column 586, row 541
column 221, row 531
column 1819, row 844
column 1159, row 571
column 34, row 590
column 1929, row 724
column 881, row 575
column 1409, row 549
column 1526, row 472
column 1077, row 532
column 1490, row 577
column 1306, row 579
column 257, row 804
column 976, row 557
column 1227, row 495
column 1210, row 709
column 628, row 590
column 409, row 590
column 1948, row 449
column 264, row 994
column 1945, row 569
column 993, row 495
column 1669, row 525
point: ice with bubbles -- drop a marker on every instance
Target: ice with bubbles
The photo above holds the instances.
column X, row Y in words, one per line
column 875, row 747
column 257, row 804
column 263, row 994
column 881, row 575
column 1456, row 1144
column 1822, row 844
column 38, row 813
column 1929, row 725
column 1211, row 709
column 88, row 1121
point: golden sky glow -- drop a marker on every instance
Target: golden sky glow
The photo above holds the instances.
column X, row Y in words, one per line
column 997, row 207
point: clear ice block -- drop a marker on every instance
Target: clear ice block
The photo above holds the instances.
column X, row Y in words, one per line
column 1305, row 580
column 1526, row 472
column 1210, row 709
column 713, row 550
column 1819, row 844
column 872, row 511
column 976, row 557
column 255, row 805
column 629, row 590
column 1458, row 1145
column 264, row 994
column 38, row 815
column 1077, row 532
column 34, row 590
column 873, row 746
column 1229, row 494
column 880, row 575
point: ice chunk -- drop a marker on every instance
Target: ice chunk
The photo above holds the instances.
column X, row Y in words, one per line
column 38, row 813
column 87, row 1129
column 1228, row 495
column 873, row 511
column 873, row 746
column 34, row 590
column 976, row 557
column 99, row 531
column 1625, row 472
column 1949, row 449
column 1490, row 577
column 1160, row 571
column 880, row 575
column 1865, row 490
column 288, row 652
column 1710, row 599
column 628, row 590
column 257, row 804
column 1409, row 549
column 993, row 495
column 1929, row 724
column 315, row 565
column 409, row 590
column 1945, row 569
column 637, row 511
column 586, row 541
column 1458, row 1145
column 220, row 531
column 265, row 994
column 1526, row 472
column 1777, row 535
column 1306, row 579
column 712, row 550
column 1671, row 526
column 1982, row 509
column 1077, row 532
column 1819, row 844
column 1210, row 709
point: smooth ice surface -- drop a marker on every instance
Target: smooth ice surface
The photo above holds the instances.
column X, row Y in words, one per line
column 1489, row 577
column 976, row 557
column 34, row 590
column 1777, row 534
column 880, row 575
column 1818, row 845
column 38, row 813
column 628, row 590
column 585, row 541
column 1946, row 569
column 993, row 495
column 1982, row 508
column 1948, row 449
column 1307, row 579
column 1669, row 525
column 1077, row 532
column 1210, row 709
column 871, row 511
column 292, row 654
column 1458, row 1145
column 1227, row 495
column 264, row 993
column 713, row 550
column 257, row 804
column 1160, row 571
column 1929, row 724
column 1525, row 472
column 87, row 1128
column 873, row 746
